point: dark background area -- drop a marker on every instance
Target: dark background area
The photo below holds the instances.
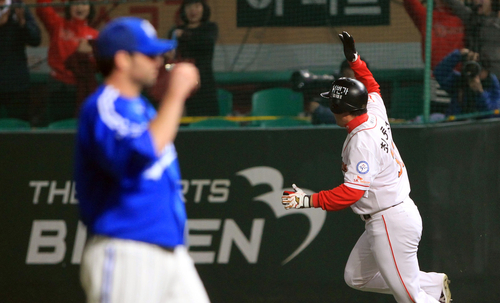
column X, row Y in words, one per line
column 454, row 172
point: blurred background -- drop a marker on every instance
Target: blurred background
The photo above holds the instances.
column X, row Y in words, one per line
column 263, row 64
column 260, row 60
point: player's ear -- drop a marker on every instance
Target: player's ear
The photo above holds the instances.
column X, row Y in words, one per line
column 123, row 60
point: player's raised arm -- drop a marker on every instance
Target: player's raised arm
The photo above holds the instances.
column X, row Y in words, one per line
column 359, row 67
column 184, row 78
column 375, row 103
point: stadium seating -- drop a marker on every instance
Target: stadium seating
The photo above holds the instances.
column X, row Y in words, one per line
column 213, row 123
column 284, row 122
column 277, row 102
column 406, row 102
column 64, row 124
column 13, row 123
column 225, row 99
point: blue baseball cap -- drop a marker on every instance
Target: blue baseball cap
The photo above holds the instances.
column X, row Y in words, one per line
column 131, row 34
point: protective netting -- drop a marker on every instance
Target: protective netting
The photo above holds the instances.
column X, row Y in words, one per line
column 253, row 56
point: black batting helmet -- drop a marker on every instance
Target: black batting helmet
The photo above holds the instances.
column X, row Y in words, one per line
column 347, row 95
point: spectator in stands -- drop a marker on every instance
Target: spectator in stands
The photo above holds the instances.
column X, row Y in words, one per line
column 474, row 89
column 82, row 64
column 196, row 38
column 17, row 29
column 447, row 35
column 447, row 28
column 68, row 35
column 482, row 28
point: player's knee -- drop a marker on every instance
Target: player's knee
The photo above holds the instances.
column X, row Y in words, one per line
column 354, row 281
column 349, row 279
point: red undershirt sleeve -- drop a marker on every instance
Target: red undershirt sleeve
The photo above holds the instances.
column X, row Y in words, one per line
column 364, row 75
column 337, row 199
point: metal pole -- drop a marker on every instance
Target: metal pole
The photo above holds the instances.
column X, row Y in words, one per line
column 427, row 70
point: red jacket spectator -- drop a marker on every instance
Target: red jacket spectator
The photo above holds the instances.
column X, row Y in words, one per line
column 65, row 36
column 447, row 28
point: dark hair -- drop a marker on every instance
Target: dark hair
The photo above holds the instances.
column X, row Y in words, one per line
column 485, row 61
column 357, row 113
column 495, row 5
column 67, row 13
column 105, row 66
column 206, row 10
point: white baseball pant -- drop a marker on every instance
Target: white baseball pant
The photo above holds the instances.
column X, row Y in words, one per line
column 124, row 271
column 384, row 260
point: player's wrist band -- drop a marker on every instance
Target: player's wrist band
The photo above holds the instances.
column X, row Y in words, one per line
column 355, row 57
column 307, row 201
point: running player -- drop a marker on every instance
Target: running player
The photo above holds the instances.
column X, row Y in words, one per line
column 376, row 187
column 128, row 177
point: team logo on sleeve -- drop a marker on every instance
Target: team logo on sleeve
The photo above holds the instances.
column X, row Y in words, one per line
column 362, row 167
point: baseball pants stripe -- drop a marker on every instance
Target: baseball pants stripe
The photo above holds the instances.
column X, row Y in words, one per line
column 395, row 262
column 107, row 274
column 375, row 266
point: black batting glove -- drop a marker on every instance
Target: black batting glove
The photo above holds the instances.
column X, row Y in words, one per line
column 349, row 49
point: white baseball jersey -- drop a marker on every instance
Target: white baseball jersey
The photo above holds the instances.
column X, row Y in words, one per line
column 384, row 259
column 371, row 162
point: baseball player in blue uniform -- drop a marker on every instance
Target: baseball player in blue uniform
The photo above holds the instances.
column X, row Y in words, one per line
column 128, row 177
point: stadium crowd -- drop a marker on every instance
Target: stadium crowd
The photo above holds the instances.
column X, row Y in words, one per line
column 465, row 58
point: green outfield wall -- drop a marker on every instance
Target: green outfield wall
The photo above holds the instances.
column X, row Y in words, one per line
column 246, row 246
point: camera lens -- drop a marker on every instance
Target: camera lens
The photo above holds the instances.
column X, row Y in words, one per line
column 471, row 69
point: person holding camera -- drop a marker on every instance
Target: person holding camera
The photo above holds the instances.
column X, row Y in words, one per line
column 474, row 88
column 447, row 34
column 319, row 110
column 482, row 28
column 18, row 28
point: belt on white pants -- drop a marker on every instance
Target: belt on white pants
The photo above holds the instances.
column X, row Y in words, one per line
column 367, row 217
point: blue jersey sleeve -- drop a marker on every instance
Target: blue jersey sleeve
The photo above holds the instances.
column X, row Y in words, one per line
column 123, row 155
column 121, row 141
